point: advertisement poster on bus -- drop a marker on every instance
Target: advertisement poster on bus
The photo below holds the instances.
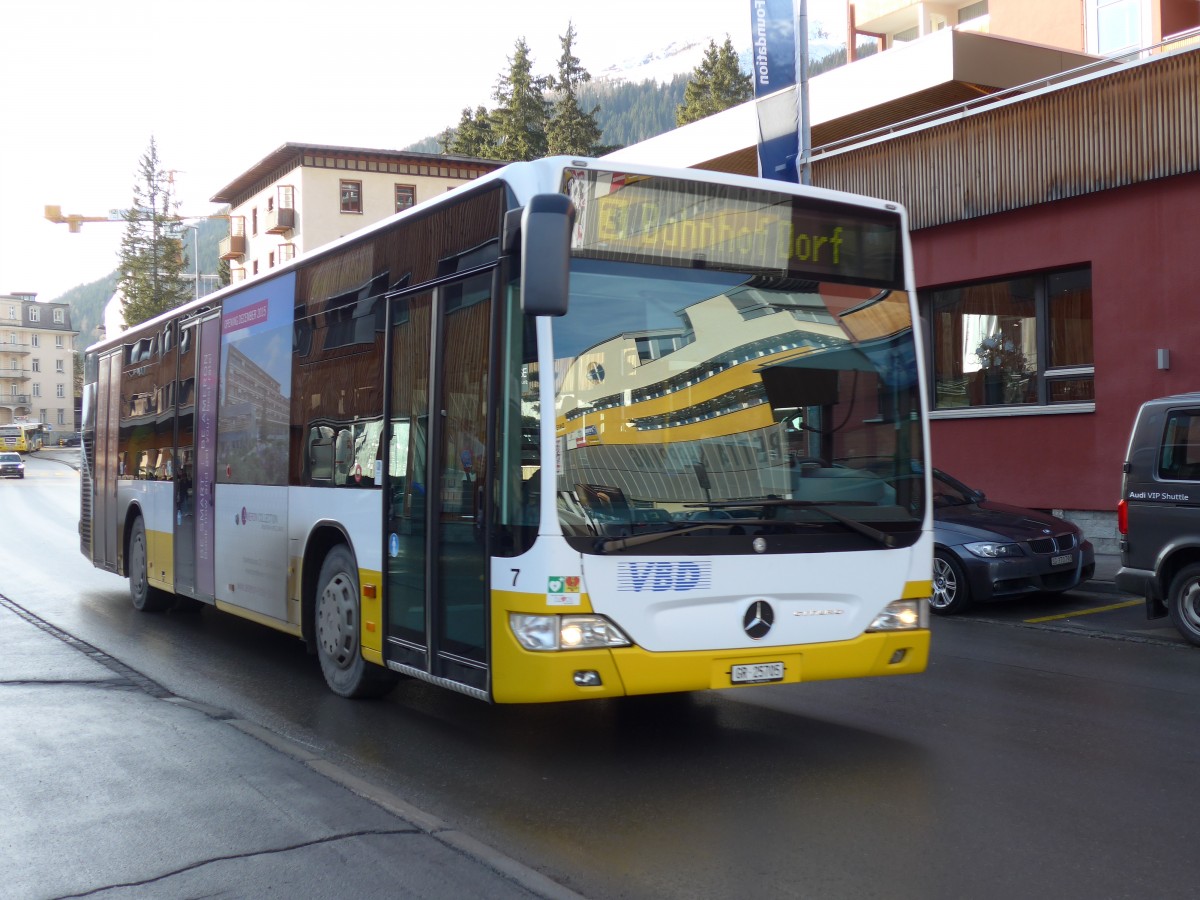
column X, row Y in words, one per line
column 252, row 447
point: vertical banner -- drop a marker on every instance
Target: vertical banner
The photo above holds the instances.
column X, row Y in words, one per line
column 773, row 27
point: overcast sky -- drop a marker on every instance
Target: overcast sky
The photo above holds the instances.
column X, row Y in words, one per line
column 220, row 84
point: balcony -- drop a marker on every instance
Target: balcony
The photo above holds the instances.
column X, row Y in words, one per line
column 14, row 399
column 232, row 247
column 280, row 220
column 14, row 374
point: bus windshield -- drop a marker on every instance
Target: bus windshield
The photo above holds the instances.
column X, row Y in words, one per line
column 697, row 404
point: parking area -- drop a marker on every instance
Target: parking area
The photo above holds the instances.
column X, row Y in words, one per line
column 1098, row 610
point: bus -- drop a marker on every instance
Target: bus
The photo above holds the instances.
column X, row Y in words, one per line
column 24, row 437
column 574, row 430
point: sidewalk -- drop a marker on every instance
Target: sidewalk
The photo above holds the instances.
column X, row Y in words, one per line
column 114, row 787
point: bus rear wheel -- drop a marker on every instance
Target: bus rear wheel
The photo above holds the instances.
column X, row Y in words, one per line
column 145, row 597
column 337, row 627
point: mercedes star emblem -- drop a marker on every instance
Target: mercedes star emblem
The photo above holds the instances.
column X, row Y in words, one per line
column 758, row 619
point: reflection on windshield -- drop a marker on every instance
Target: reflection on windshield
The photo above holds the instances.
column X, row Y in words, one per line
column 681, row 396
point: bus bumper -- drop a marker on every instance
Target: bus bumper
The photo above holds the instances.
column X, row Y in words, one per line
column 521, row 676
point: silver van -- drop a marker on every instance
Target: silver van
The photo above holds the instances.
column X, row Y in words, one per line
column 1159, row 512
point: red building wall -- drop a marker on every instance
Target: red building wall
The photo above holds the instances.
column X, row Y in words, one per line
column 1143, row 245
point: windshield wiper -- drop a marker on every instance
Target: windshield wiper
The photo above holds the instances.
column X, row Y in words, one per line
column 636, row 540
column 881, row 537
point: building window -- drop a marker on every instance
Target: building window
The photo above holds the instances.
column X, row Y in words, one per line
column 62, row 417
column 58, row 366
column 406, row 196
column 35, row 314
column 1018, row 342
column 12, row 312
column 35, row 340
column 351, row 196
column 37, row 365
column 254, row 221
column 1116, row 25
column 60, row 390
column 287, row 252
column 37, row 389
column 58, row 317
column 271, row 260
column 58, row 341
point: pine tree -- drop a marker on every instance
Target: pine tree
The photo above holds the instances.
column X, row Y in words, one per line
column 152, row 260
column 716, row 84
column 570, row 131
column 473, row 136
column 519, row 122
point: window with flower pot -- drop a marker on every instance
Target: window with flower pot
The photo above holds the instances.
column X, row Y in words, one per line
column 1013, row 343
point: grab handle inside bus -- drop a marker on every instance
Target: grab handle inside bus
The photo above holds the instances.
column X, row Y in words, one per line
column 546, row 224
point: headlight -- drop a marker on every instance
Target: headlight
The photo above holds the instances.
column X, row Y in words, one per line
column 587, row 632
column 994, row 549
column 902, row 615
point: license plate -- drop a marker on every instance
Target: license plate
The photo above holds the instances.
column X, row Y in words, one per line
column 756, row 673
column 1064, row 560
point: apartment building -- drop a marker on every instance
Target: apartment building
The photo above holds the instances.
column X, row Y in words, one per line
column 304, row 195
column 1100, row 27
column 37, row 362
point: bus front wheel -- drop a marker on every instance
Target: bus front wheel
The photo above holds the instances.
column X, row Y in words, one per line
column 145, row 597
column 337, row 627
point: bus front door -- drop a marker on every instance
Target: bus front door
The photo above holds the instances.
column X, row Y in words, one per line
column 437, row 565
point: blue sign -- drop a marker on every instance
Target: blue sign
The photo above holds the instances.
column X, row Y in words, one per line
column 773, row 24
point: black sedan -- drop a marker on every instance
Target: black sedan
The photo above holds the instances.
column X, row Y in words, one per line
column 985, row 550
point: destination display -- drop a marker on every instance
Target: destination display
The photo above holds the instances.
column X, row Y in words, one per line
column 640, row 218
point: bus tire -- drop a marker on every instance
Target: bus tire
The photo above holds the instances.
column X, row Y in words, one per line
column 337, row 627
column 145, row 597
column 1184, row 602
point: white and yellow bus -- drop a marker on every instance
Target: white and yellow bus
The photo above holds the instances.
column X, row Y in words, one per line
column 24, row 437
column 568, row 432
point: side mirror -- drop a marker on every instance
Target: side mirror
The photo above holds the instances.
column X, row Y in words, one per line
column 546, row 224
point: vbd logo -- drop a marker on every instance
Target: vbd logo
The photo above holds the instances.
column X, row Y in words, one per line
column 664, row 576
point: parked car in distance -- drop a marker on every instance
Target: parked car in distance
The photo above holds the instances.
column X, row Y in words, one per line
column 69, row 440
column 11, row 465
column 1159, row 512
column 985, row 550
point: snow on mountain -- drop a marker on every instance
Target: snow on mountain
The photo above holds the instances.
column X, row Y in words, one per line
column 661, row 65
